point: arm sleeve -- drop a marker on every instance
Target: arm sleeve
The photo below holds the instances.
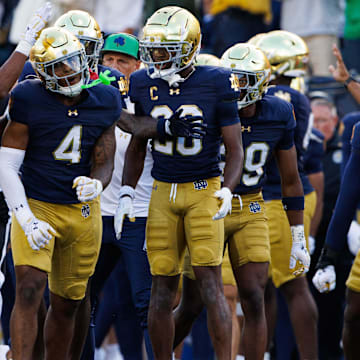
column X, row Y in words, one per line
column 10, row 162
column 348, row 199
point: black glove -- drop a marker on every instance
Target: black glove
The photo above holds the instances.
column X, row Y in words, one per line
column 177, row 126
column 328, row 257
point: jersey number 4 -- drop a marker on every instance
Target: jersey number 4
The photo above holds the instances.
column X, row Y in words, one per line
column 181, row 148
column 69, row 148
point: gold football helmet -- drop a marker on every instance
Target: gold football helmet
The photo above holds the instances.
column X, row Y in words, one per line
column 253, row 71
column 287, row 52
column 59, row 60
column 253, row 40
column 207, row 59
column 170, row 42
column 87, row 30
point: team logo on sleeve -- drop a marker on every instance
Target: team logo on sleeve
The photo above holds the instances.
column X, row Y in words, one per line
column 123, row 86
column 283, row 95
column 234, row 81
column 200, row 185
column 254, row 207
column 85, row 211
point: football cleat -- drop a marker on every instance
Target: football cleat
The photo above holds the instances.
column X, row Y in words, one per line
column 252, row 69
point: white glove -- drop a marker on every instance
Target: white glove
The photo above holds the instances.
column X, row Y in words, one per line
column 37, row 22
column 125, row 208
column 225, row 195
column 298, row 250
column 38, row 233
column 353, row 237
column 312, row 244
column 87, row 189
column 325, row 279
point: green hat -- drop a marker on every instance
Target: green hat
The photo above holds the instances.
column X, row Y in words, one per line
column 122, row 43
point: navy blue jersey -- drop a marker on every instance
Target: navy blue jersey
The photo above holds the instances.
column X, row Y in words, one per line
column 272, row 188
column 349, row 121
column 209, row 92
column 314, row 154
column 61, row 138
column 271, row 128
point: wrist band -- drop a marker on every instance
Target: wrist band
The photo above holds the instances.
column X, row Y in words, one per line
column 127, row 190
column 293, row 203
column 23, row 47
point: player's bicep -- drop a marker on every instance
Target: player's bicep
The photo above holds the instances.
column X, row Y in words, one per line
column 16, row 135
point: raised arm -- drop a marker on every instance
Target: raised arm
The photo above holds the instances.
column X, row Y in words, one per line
column 12, row 68
column 341, row 74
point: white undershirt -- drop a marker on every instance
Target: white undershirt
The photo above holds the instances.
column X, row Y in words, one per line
column 110, row 196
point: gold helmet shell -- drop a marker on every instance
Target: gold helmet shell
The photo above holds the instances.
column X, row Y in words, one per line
column 178, row 32
column 58, row 48
column 87, row 30
column 252, row 68
column 287, row 52
column 207, row 59
column 253, row 40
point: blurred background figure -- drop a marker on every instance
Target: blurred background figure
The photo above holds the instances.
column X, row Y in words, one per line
column 119, row 16
column 318, row 23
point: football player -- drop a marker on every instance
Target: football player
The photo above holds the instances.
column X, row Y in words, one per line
column 86, row 29
column 268, row 131
column 187, row 204
column 325, row 277
column 288, row 56
column 62, row 137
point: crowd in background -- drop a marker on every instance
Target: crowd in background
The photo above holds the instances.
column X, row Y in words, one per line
column 321, row 23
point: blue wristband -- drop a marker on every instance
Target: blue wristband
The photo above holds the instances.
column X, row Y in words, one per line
column 293, row 203
column 160, row 127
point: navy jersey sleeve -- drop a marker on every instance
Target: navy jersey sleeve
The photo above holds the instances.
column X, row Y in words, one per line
column 348, row 199
column 349, row 121
column 315, row 153
column 287, row 140
column 226, row 84
column 18, row 104
column 227, row 88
